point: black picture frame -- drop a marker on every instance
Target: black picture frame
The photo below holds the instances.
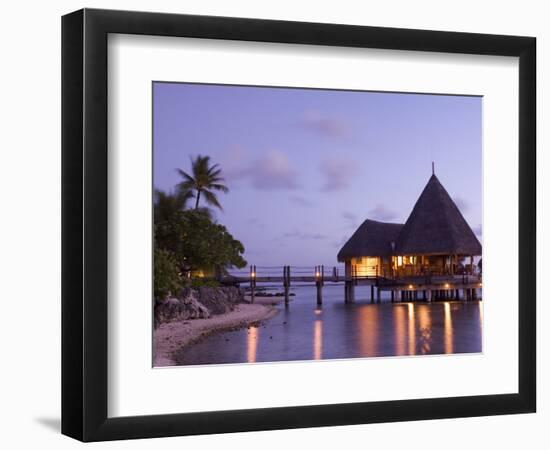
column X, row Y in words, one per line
column 84, row 224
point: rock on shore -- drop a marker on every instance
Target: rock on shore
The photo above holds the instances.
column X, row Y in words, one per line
column 220, row 300
column 197, row 304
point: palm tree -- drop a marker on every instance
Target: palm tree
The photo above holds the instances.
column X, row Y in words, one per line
column 167, row 205
column 204, row 180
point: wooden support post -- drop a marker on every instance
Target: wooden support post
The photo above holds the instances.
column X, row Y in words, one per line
column 378, row 295
column 424, row 295
column 252, row 283
column 474, row 294
column 319, row 275
column 372, row 293
column 286, row 276
column 392, row 296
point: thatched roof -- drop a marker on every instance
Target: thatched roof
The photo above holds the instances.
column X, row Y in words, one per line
column 372, row 238
column 436, row 226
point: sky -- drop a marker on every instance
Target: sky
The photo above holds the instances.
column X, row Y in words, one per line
column 305, row 167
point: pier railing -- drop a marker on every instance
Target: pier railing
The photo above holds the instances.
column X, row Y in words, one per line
column 400, row 287
column 306, row 274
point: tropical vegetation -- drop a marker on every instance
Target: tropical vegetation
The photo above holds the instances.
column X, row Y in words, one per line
column 205, row 180
column 189, row 243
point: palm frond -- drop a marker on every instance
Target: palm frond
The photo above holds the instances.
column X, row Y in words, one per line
column 185, row 176
column 186, row 186
column 211, row 199
column 219, row 187
column 203, row 179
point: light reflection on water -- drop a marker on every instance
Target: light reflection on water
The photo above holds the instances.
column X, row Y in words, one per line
column 318, row 339
column 400, row 326
column 424, row 328
column 412, row 329
column 305, row 332
column 448, row 328
column 252, row 344
column 368, row 339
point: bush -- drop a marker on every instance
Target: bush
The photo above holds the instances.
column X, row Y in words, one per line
column 166, row 277
column 198, row 243
column 199, row 282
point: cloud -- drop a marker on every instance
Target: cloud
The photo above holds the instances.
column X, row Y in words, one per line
column 270, row 172
column 301, row 201
column 323, row 125
column 304, row 235
column 382, row 212
column 461, row 204
column 337, row 174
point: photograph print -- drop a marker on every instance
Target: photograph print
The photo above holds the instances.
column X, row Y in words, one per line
column 300, row 224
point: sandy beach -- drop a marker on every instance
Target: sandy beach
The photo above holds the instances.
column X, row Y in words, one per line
column 172, row 336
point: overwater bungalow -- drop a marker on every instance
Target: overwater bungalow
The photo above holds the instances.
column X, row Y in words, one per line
column 435, row 240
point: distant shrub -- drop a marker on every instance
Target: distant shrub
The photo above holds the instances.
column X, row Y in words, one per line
column 196, row 241
column 199, row 282
column 166, row 277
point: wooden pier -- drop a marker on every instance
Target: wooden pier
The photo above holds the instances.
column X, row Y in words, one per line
column 426, row 287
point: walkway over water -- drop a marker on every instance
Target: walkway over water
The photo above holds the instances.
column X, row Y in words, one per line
column 426, row 287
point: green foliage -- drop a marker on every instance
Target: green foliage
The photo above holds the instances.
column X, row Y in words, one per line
column 191, row 238
column 198, row 243
column 168, row 205
column 166, row 276
column 203, row 180
column 199, row 282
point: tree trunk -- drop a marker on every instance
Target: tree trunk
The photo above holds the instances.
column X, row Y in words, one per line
column 198, row 198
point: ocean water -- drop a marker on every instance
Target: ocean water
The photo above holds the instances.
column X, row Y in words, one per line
column 304, row 331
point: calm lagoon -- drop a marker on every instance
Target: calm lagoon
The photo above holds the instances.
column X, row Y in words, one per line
column 304, row 331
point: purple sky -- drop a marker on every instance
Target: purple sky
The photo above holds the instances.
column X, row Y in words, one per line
column 305, row 167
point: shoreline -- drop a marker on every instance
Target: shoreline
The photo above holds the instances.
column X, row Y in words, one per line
column 173, row 336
